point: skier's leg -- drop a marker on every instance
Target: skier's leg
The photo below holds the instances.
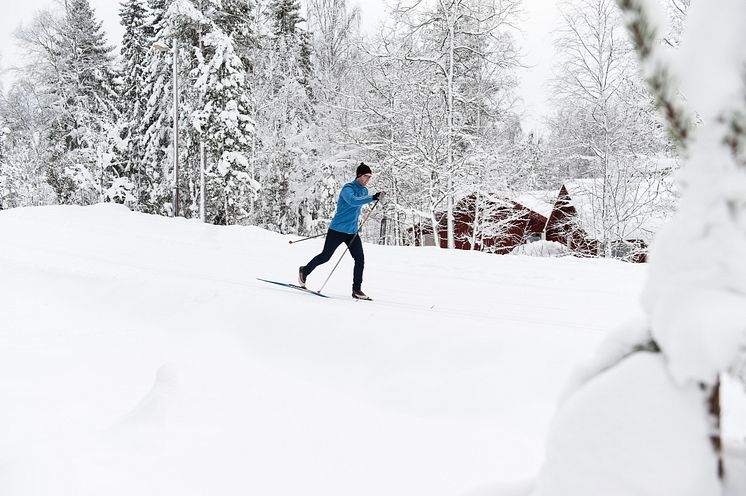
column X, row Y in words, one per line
column 333, row 240
column 356, row 250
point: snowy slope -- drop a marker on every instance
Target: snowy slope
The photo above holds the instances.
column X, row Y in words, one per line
column 139, row 355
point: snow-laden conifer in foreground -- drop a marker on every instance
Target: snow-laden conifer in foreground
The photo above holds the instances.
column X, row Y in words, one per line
column 645, row 419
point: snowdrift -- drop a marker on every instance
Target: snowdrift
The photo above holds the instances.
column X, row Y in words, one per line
column 139, row 355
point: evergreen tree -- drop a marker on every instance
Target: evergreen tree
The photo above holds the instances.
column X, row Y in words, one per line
column 135, row 44
column 74, row 65
column 285, row 15
column 236, row 19
column 225, row 124
column 214, row 109
column 154, row 130
column 291, row 41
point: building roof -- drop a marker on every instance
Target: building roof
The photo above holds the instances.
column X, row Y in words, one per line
column 541, row 202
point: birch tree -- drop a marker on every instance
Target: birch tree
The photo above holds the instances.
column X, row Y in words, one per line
column 334, row 25
column 286, row 155
column 605, row 127
column 457, row 57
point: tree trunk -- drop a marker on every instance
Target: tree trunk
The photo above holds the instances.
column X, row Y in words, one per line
column 449, row 191
column 713, row 402
column 434, row 223
column 397, row 218
column 382, row 233
column 475, row 226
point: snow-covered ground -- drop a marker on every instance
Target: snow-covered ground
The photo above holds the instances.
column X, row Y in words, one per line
column 139, row 355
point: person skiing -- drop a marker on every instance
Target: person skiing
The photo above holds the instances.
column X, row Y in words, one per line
column 344, row 229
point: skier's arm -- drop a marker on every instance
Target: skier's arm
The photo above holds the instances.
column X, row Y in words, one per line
column 348, row 195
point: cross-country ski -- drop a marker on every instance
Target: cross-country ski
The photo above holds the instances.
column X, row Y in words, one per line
column 293, row 286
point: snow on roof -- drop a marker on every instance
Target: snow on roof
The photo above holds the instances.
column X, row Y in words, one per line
column 638, row 208
column 541, row 202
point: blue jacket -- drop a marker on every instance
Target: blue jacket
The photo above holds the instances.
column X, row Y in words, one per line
column 351, row 200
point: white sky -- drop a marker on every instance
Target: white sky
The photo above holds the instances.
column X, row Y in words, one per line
column 541, row 17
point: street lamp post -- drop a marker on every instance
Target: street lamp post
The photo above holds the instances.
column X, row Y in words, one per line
column 201, row 144
column 163, row 48
column 176, row 128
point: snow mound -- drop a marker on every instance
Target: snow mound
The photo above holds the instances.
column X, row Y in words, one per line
column 631, row 431
column 156, row 405
column 429, row 384
column 541, row 249
column 618, row 345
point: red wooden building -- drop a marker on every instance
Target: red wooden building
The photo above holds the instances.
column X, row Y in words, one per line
column 491, row 223
column 499, row 223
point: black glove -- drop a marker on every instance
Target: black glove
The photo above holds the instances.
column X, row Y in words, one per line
column 379, row 195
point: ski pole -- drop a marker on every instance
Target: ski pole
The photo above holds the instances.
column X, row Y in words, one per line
column 348, row 245
column 305, row 239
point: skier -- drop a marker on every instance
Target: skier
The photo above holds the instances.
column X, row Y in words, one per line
column 343, row 229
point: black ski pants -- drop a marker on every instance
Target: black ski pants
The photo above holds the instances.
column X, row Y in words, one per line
column 333, row 240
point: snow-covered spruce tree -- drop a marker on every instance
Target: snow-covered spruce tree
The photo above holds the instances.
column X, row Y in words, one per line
column 290, row 38
column 171, row 22
column 605, row 129
column 216, row 46
column 155, row 127
column 237, row 19
column 224, row 117
column 714, row 184
column 91, row 104
column 136, row 42
column 640, row 419
column 71, row 62
column 226, row 126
